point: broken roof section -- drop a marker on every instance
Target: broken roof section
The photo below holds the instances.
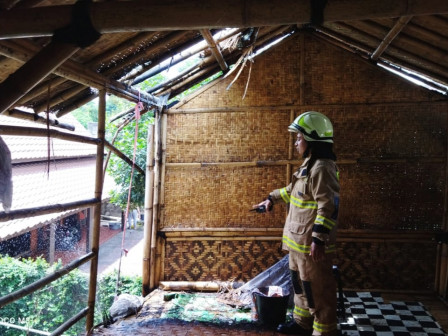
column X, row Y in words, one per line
column 406, row 36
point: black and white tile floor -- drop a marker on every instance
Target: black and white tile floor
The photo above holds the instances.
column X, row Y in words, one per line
column 367, row 314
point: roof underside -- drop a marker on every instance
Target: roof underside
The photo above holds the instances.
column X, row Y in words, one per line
column 404, row 35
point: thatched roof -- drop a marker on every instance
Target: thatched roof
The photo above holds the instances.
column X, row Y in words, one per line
column 40, row 69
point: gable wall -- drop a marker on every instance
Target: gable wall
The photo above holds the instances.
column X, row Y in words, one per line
column 390, row 138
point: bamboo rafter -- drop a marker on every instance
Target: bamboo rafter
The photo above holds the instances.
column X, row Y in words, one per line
column 215, row 49
column 396, row 29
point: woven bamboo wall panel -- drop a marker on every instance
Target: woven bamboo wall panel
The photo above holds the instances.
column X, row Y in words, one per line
column 335, row 76
column 228, row 137
column 217, row 197
column 205, row 260
column 390, row 132
column 274, row 81
column 393, row 265
column 392, row 196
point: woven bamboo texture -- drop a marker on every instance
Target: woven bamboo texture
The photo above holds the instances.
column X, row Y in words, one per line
column 205, row 260
column 391, row 143
column 216, row 197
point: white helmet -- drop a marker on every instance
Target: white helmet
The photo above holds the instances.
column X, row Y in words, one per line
column 314, row 126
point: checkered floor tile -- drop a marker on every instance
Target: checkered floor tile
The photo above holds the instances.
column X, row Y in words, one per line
column 366, row 314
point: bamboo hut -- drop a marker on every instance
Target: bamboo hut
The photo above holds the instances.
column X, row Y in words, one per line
column 214, row 153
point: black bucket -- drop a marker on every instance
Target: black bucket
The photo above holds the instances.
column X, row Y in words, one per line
column 271, row 310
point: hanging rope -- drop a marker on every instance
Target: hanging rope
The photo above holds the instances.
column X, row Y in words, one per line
column 138, row 109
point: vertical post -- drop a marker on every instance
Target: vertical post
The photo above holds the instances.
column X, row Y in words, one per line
column 160, row 243
column 52, row 243
column 155, row 209
column 89, row 220
column 97, row 209
column 147, row 228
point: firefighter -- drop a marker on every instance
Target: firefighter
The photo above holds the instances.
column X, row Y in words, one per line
column 310, row 228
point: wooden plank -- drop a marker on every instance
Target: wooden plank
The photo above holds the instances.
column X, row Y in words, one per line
column 118, row 16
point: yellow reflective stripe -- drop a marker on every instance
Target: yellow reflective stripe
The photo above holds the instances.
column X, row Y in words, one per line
column 324, row 328
column 328, row 223
column 284, row 195
column 303, row 204
column 337, row 175
column 296, row 247
column 301, row 312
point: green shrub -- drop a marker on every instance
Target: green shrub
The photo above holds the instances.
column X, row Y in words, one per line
column 49, row 307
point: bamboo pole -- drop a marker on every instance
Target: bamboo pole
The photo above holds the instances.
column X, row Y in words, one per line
column 159, row 261
column 66, row 95
column 149, row 198
column 177, row 57
column 214, row 49
column 31, row 288
column 287, row 108
column 160, row 250
column 67, row 324
column 79, row 73
column 15, row 113
column 97, row 211
column 41, row 88
column 77, row 104
column 396, row 29
column 122, row 156
column 194, row 15
column 136, row 58
column 229, row 238
column 43, row 210
column 43, row 132
column 155, row 215
column 202, row 286
column 37, row 68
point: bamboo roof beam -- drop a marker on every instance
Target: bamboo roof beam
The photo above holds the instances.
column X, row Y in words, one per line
column 214, row 49
column 421, row 50
column 133, row 59
column 77, row 104
column 178, row 14
column 423, row 65
column 78, row 73
column 15, row 113
column 350, row 45
column 41, row 88
column 177, row 57
column 67, row 94
column 32, row 72
column 121, row 48
column 396, row 29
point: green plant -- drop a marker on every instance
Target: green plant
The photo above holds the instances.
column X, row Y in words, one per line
column 47, row 308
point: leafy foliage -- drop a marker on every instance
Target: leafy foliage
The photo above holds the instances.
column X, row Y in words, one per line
column 49, row 307
column 121, row 171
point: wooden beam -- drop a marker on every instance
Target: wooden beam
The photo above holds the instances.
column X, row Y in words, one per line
column 34, row 71
column 79, row 73
column 396, row 29
column 119, row 16
column 214, row 49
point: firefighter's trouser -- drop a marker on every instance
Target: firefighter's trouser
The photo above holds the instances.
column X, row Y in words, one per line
column 315, row 298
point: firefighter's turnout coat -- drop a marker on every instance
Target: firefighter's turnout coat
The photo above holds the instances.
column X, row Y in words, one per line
column 313, row 198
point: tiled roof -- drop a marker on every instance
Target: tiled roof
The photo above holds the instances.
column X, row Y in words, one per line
column 68, row 181
column 71, row 178
column 26, row 148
